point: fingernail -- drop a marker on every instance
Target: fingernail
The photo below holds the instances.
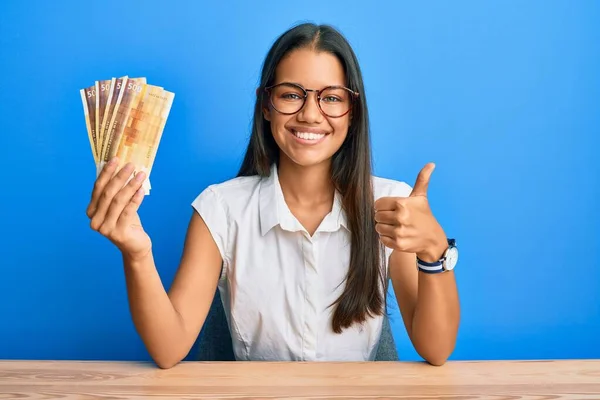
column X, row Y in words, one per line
column 113, row 160
column 140, row 176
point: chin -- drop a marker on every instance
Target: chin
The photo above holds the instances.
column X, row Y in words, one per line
column 306, row 160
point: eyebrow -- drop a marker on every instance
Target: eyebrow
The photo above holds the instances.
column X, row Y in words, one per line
column 299, row 84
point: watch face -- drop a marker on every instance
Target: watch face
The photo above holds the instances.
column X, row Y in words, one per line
column 451, row 258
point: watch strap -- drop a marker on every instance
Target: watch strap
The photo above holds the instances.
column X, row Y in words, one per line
column 437, row 266
column 430, row 268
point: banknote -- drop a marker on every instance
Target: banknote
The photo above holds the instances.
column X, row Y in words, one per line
column 144, row 107
column 150, row 137
column 154, row 135
column 104, row 92
column 114, row 96
column 88, row 98
column 132, row 87
column 125, row 117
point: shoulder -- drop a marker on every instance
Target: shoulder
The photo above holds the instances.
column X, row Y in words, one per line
column 230, row 194
column 221, row 204
column 385, row 187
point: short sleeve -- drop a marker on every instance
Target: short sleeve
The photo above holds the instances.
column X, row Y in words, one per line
column 398, row 189
column 209, row 205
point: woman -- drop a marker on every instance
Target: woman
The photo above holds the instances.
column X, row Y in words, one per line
column 301, row 244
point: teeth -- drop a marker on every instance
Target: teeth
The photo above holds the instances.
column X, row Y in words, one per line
column 309, row 136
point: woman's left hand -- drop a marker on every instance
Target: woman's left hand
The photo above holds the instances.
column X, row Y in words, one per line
column 407, row 224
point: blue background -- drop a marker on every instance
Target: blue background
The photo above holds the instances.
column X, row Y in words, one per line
column 502, row 95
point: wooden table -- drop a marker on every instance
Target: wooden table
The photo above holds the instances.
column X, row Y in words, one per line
column 569, row 379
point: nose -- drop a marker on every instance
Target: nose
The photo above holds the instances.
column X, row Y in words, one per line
column 310, row 112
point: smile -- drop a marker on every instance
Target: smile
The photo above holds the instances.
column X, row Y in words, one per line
column 308, row 135
column 304, row 137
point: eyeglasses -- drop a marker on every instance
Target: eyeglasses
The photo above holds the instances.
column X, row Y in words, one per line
column 289, row 98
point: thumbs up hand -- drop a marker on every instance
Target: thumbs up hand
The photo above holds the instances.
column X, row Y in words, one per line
column 407, row 224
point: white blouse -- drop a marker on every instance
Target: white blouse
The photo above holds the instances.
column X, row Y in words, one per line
column 278, row 281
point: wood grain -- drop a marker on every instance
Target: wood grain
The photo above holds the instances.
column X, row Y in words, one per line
column 564, row 379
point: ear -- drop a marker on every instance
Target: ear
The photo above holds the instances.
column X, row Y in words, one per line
column 265, row 110
column 267, row 114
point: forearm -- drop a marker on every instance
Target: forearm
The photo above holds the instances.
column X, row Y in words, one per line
column 436, row 316
column 156, row 320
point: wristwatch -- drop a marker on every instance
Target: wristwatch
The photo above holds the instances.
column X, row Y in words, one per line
column 446, row 263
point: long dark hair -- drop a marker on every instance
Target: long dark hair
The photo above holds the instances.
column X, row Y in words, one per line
column 366, row 283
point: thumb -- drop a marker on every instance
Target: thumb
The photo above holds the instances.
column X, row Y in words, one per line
column 422, row 183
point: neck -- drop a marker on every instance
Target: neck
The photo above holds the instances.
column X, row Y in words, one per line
column 305, row 186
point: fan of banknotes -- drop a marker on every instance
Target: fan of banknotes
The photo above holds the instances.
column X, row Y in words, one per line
column 125, row 117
